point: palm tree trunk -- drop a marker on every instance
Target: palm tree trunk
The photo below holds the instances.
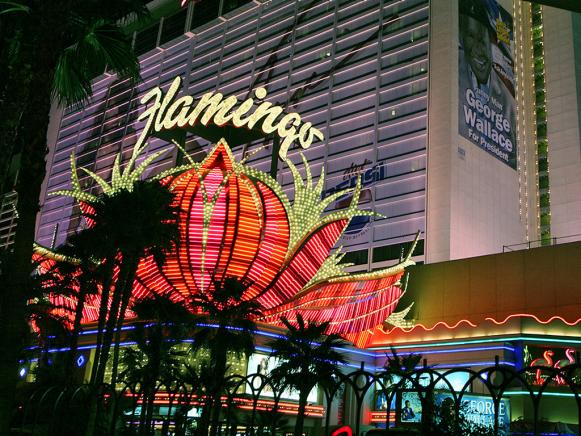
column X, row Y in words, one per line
column 220, row 359
column 105, row 292
column 121, row 297
column 143, row 414
column 14, row 98
column 127, row 292
column 300, row 422
column 150, row 406
column 111, row 323
column 40, row 51
column 76, row 330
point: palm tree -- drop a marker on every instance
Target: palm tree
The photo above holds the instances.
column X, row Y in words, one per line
column 50, row 332
column 307, row 356
column 226, row 326
column 139, row 223
column 53, row 48
column 397, row 366
column 156, row 358
column 50, row 328
column 75, row 273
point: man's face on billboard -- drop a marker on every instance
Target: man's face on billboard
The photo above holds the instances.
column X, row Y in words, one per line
column 476, row 43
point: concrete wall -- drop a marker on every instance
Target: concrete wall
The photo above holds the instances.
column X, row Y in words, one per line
column 563, row 121
column 541, row 281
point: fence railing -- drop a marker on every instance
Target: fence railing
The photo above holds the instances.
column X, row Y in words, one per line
column 541, row 243
column 255, row 404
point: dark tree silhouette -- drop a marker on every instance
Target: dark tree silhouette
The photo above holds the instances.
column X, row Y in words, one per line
column 308, row 356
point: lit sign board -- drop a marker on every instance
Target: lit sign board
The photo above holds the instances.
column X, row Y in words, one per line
column 167, row 113
column 476, row 409
column 263, row 364
column 479, row 410
column 557, row 358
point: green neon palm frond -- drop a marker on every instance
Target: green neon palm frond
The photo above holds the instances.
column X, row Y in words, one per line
column 100, row 181
column 121, row 179
column 116, row 172
column 306, row 213
column 136, row 174
column 77, row 193
column 332, row 267
column 398, row 319
column 137, row 150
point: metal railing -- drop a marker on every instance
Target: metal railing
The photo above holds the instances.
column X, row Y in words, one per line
column 541, row 243
column 135, row 409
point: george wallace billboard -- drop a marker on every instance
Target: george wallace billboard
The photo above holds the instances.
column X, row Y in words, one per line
column 487, row 107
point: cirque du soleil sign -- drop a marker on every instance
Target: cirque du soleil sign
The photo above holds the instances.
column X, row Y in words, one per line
column 168, row 113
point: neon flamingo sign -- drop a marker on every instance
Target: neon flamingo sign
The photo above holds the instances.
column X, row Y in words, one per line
column 547, row 360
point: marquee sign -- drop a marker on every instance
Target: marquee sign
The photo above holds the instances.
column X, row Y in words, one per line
column 237, row 221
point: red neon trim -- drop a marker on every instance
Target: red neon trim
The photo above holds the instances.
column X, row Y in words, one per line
column 429, row 329
column 343, row 430
column 536, row 318
column 379, row 417
column 490, row 319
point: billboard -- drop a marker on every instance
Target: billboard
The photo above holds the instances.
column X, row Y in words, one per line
column 486, row 79
column 263, row 364
column 411, row 407
column 476, row 409
column 358, row 229
column 479, row 410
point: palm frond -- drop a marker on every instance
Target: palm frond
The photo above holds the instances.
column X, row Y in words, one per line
column 9, row 7
column 99, row 44
column 307, row 211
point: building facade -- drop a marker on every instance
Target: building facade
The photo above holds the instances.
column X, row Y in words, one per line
column 358, row 71
column 381, row 80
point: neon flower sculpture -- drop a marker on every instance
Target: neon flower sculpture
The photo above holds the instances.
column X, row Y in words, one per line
column 236, row 221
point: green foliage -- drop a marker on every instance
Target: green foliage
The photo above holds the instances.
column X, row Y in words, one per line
column 156, row 361
column 140, row 222
column 10, row 7
column 446, row 422
column 99, row 44
column 397, row 366
column 225, row 326
column 227, row 320
column 31, row 45
column 51, row 328
column 307, row 356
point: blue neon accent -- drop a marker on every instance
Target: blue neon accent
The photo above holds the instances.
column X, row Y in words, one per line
column 350, row 365
column 256, row 332
column 549, row 394
column 469, row 364
column 481, row 341
column 457, row 350
column 81, row 361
